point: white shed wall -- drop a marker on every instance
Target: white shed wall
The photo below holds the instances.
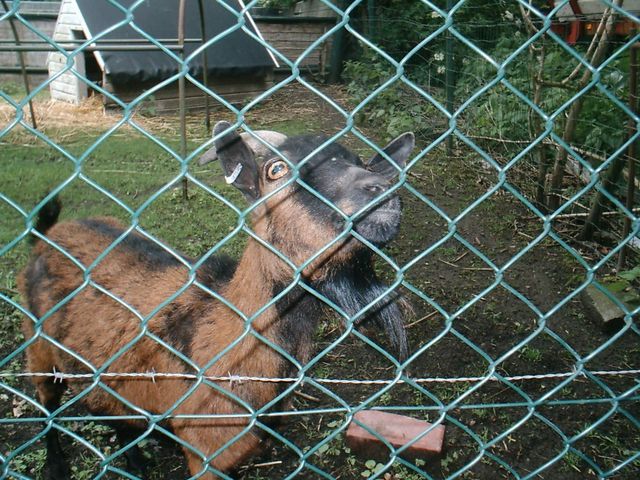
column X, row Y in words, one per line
column 67, row 87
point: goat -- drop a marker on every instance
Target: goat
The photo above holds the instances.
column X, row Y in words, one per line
column 93, row 322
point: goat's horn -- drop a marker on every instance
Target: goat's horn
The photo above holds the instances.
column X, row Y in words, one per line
column 273, row 138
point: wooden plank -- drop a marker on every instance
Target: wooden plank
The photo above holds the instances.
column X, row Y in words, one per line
column 293, row 37
column 601, row 309
column 66, row 79
column 226, row 85
column 193, row 102
column 33, row 10
column 62, row 96
column 65, row 88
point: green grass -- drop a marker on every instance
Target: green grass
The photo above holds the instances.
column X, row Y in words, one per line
column 142, row 180
column 17, row 92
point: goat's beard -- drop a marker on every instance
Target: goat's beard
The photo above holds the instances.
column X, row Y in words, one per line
column 381, row 223
column 354, row 287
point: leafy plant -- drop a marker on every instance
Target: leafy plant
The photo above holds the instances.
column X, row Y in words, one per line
column 371, row 467
column 397, row 108
column 31, row 462
column 622, row 286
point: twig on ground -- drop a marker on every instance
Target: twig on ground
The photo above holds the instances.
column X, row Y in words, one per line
column 426, row 317
column 525, row 235
column 244, row 468
column 475, row 269
column 461, row 257
column 267, row 464
column 585, row 214
column 306, row 396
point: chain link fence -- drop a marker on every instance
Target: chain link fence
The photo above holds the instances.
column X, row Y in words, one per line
column 519, row 127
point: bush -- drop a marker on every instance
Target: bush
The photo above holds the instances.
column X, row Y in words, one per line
column 396, row 109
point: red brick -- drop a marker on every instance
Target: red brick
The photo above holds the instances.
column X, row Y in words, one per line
column 398, row 430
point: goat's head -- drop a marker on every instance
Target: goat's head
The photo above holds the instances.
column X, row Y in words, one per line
column 303, row 214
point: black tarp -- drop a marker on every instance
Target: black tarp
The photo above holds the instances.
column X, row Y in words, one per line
column 234, row 54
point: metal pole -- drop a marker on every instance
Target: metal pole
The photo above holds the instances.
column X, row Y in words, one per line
column 337, row 51
column 88, row 48
column 631, row 151
column 23, row 68
column 77, row 41
column 371, row 14
column 449, row 76
column 205, row 66
column 182, row 99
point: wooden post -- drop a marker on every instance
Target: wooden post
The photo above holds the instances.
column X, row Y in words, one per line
column 631, row 151
column 449, row 76
column 23, row 68
column 337, row 52
column 205, row 68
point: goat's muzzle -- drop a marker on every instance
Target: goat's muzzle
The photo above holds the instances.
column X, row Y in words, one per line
column 381, row 222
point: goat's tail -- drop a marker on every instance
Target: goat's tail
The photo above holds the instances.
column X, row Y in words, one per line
column 47, row 217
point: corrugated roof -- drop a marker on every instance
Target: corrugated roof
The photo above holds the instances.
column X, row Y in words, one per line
column 234, row 53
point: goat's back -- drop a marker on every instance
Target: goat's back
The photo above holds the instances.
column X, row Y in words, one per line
column 97, row 319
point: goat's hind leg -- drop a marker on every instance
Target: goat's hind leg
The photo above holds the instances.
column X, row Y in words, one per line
column 136, row 462
column 50, row 394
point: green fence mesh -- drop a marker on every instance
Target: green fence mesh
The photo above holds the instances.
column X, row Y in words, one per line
column 505, row 349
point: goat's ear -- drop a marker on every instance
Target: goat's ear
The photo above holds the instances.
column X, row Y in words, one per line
column 240, row 169
column 274, row 139
column 398, row 151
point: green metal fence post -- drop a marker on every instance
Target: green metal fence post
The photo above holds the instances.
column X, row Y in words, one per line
column 449, row 76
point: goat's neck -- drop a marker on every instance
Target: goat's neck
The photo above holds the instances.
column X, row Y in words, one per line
column 259, row 274
column 353, row 286
column 290, row 321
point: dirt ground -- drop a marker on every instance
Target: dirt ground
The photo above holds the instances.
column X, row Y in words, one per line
column 489, row 297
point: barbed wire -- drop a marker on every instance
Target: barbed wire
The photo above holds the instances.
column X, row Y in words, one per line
column 153, row 376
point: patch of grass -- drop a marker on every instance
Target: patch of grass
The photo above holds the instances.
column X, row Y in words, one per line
column 30, row 463
column 571, row 462
column 531, row 354
column 142, row 179
column 17, row 92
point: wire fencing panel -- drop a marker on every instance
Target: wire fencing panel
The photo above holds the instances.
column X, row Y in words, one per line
column 497, row 256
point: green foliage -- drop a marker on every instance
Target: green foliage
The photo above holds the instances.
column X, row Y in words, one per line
column 30, row 463
column 371, row 467
column 398, row 27
column 500, row 113
column 277, row 4
column 624, row 286
column 396, row 109
column 631, row 275
column 531, row 354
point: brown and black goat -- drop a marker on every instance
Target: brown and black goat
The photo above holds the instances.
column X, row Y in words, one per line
column 95, row 320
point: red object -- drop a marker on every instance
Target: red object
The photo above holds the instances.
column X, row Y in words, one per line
column 576, row 25
column 398, row 430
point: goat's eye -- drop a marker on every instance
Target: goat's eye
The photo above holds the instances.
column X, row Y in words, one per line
column 277, row 170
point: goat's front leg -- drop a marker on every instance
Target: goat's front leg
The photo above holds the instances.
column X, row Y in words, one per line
column 208, row 436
